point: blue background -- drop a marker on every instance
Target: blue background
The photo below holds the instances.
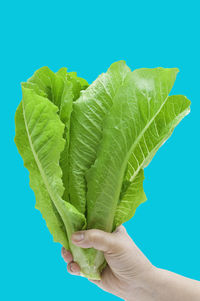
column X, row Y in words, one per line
column 87, row 37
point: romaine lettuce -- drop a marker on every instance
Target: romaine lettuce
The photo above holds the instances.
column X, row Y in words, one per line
column 86, row 147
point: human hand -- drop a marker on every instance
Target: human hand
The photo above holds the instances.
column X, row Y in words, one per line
column 128, row 269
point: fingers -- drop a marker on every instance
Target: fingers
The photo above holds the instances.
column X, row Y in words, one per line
column 72, row 267
column 67, row 256
column 114, row 245
column 100, row 240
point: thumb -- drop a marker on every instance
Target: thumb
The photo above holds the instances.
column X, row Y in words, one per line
column 100, row 240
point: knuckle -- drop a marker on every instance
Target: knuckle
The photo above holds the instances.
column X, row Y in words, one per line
column 117, row 243
column 91, row 236
column 120, row 230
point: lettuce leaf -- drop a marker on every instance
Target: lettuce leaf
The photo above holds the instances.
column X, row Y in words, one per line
column 62, row 88
column 175, row 108
column 89, row 113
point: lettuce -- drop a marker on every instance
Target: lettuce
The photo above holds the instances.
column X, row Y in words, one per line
column 86, row 146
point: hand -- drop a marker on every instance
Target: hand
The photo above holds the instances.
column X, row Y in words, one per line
column 127, row 268
column 129, row 274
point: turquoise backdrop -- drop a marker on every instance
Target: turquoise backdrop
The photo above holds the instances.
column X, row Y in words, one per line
column 87, row 36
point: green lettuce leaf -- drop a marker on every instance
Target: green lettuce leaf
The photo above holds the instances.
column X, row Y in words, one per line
column 128, row 132
column 34, row 147
column 175, row 108
column 61, row 88
column 89, row 112
column 130, row 198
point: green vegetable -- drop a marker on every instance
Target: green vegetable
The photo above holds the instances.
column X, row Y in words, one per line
column 86, row 146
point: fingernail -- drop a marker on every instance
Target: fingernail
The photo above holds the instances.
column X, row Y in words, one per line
column 77, row 237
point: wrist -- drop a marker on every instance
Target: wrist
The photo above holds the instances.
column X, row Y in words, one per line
column 158, row 284
column 144, row 287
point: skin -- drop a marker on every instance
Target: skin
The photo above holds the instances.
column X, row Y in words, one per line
column 129, row 274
